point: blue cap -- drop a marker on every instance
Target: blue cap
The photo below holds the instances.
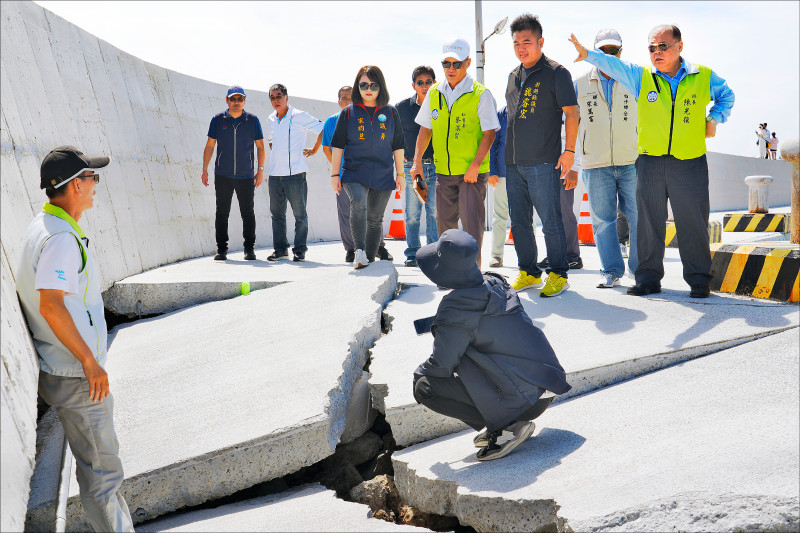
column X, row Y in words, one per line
column 236, row 90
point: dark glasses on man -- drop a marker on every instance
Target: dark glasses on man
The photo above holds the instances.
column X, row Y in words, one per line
column 276, row 97
column 95, row 177
column 661, row 47
column 456, row 64
column 422, row 83
column 368, row 86
column 611, row 50
column 236, row 98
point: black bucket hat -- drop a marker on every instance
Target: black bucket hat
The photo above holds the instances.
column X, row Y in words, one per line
column 451, row 261
column 65, row 163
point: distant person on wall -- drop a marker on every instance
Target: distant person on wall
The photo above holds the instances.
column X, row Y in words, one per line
column 609, row 145
column 367, row 151
column 672, row 97
column 761, row 141
column 766, row 139
column 773, row 146
column 491, row 367
column 60, row 295
column 342, row 200
column 287, row 127
column 460, row 116
column 236, row 131
column 422, row 78
column 539, row 92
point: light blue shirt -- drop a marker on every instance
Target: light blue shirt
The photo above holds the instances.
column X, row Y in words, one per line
column 630, row 75
column 608, row 89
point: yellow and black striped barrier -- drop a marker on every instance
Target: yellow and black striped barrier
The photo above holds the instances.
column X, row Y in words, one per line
column 762, row 222
column 761, row 270
column 714, row 233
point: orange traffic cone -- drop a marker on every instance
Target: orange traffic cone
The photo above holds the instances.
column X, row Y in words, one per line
column 585, row 235
column 397, row 227
column 510, row 239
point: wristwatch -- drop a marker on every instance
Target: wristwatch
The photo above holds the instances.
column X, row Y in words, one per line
column 260, row 168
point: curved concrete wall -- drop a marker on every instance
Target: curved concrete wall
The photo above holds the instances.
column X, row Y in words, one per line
column 61, row 85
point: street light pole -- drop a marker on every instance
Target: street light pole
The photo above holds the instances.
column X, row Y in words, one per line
column 479, row 53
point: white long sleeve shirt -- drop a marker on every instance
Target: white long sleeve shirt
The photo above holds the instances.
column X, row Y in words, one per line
column 287, row 136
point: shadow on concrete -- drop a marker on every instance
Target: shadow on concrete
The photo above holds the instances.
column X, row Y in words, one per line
column 574, row 306
column 520, row 469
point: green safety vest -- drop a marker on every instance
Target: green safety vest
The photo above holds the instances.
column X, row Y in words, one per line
column 674, row 127
column 456, row 132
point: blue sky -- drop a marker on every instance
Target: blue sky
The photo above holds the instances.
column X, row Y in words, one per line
column 315, row 47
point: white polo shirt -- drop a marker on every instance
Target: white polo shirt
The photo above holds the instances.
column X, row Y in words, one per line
column 288, row 138
column 487, row 108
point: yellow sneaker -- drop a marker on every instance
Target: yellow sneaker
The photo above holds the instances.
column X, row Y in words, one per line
column 524, row 281
column 555, row 285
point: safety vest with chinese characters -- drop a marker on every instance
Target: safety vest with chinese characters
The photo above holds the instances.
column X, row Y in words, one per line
column 85, row 308
column 676, row 125
column 456, row 132
column 368, row 153
column 607, row 137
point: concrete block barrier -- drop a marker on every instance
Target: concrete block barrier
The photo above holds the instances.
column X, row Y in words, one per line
column 714, row 233
column 763, row 270
column 760, row 222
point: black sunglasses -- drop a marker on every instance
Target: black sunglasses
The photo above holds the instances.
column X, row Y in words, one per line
column 661, row 47
column 96, row 177
column 278, row 97
column 236, row 98
column 426, row 82
column 612, row 51
column 456, row 64
column 371, row 86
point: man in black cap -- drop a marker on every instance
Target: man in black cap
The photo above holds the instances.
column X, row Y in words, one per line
column 490, row 367
column 233, row 132
column 60, row 294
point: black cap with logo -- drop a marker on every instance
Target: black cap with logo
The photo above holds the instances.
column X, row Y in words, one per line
column 65, row 163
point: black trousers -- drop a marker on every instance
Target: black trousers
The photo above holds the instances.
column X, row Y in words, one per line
column 685, row 183
column 449, row 397
column 245, row 193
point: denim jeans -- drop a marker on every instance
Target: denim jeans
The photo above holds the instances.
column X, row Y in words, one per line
column 539, row 187
column 605, row 185
column 294, row 189
column 366, row 215
column 414, row 210
column 245, row 193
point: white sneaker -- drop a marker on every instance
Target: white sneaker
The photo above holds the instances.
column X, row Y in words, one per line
column 361, row 259
column 607, row 281
column 629, row 275
column 624, row 250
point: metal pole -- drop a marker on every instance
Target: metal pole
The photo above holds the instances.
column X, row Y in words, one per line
column 479, row 59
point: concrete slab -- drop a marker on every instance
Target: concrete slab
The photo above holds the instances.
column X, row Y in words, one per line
column 306, row 508
column 600, row 335
column 222, row 396
column 709, row 445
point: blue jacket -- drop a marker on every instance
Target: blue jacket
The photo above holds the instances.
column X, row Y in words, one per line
column 368, row 153
column 484, row 334
column 235, row 144
column 497, row 160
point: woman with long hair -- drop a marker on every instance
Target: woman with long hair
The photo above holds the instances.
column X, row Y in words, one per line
column 368, row 142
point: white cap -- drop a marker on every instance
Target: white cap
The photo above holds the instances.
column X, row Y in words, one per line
column 458, row 48
column 607, row 37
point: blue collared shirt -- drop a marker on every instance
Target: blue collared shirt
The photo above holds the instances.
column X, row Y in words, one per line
column 630, row 75
column 608, row 89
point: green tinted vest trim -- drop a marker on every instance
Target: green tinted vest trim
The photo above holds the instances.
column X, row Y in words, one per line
column 677, row 129
column 56, row 211
column 457, row 132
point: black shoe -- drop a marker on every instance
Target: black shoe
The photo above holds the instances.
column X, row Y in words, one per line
column 249, row 255
column 544, row 263
column 576, row 265
column 222, row 255
column 383, row 254
column 277, row 256
column 350, row 256
column 699, row 291
column 640, row 289
column 299, row 257
column 410, row 262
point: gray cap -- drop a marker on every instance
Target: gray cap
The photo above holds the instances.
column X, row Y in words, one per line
column 608, row 37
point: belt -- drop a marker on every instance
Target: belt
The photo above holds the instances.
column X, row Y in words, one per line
column 428, row 161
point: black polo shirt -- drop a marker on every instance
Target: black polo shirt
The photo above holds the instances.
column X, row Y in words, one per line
column 535, row 98
column 408, row 109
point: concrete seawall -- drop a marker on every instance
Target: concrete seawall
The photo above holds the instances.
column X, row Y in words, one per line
column 62, row 85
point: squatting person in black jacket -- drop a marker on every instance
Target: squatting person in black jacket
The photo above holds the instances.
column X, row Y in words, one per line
column 491, row 367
